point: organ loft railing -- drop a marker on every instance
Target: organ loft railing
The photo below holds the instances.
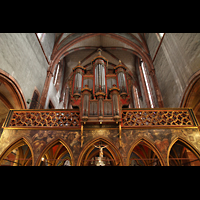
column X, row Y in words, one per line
column 130, row 118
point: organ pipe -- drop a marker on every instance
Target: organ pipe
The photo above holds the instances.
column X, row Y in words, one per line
column 77, row 83
column 122, row 82
column 99, row 78
column 78, row 73
column 85, row 105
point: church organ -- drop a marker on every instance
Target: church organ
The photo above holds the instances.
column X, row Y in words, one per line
column 100, row 96
column 102, row 112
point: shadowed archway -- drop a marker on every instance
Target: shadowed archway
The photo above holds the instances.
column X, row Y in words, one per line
column 89, row 154
column 182, row 153
column 19, row 153
column 57, row 153
column 144, row 153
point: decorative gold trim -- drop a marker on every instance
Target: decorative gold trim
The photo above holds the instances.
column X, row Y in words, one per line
column 100, row 94
column 81, row 135
column 100, row 58
column 78, row 67
column 114, row 88
column 120, row 66
column 120, row 135
column 86, row 89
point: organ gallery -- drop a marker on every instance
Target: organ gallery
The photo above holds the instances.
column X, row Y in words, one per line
column 101, row 103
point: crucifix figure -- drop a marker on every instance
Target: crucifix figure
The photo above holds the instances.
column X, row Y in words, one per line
column 100, row 150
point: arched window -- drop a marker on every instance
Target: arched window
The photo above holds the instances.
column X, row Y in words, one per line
column 56, row 74
column 56, row 155
column 183, row 155
column 144, row 154
column 100, row 152
column 18, row 154
column 136, row 97
column 41, row 36
column 160, row 36
column 146, row 79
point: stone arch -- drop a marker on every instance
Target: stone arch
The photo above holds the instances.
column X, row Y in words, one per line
column 192, row 81
column 137, row 49
column 111, row 148
column 16, row 144
column 150, row 146
column 11, row 96
column 49, row 146
column 191, row 96
column 190, row 146
column 13, row 87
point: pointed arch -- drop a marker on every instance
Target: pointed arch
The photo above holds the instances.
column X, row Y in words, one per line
column 192, row 83
column 65, row 45
column 138, row 49
column 190, row 146
column 49, row 146
column 191, row 96
column 14, row 89
column 150, row 145
column 16, row 144
column 111, row 148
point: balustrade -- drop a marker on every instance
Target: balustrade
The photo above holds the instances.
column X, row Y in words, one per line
column 134, row 118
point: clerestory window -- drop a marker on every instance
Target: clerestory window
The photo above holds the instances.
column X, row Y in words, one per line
column 147, row 84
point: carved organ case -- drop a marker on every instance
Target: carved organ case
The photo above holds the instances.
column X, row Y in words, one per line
column 100, row 96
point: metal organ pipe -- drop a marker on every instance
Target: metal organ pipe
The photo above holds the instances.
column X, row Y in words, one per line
column 85, row 104
column 115, row 105
column 78, row 82
column 99, row 78
column 100, row 107
column 122, row 82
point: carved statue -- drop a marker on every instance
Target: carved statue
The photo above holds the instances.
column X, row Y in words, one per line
column 100, row 150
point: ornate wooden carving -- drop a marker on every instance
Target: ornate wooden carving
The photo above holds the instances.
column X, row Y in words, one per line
column 157, row 117
column 47, row 118
column 144, row 118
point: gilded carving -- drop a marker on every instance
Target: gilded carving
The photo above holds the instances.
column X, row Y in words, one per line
column 45, row 119
column 156, row 118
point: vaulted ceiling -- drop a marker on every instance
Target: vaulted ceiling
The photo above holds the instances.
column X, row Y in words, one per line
column 83, row 47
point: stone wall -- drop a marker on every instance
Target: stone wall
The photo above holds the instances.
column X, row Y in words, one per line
column 178, row 58
column 47, row 44
column 21, row 56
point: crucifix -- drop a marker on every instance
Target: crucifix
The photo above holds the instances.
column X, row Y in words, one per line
column 100, row 158
column 100, row 150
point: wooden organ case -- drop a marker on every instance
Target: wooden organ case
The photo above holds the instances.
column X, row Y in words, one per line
column 100, row 96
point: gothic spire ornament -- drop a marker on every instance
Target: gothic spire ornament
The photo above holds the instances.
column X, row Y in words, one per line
column 99, row 51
